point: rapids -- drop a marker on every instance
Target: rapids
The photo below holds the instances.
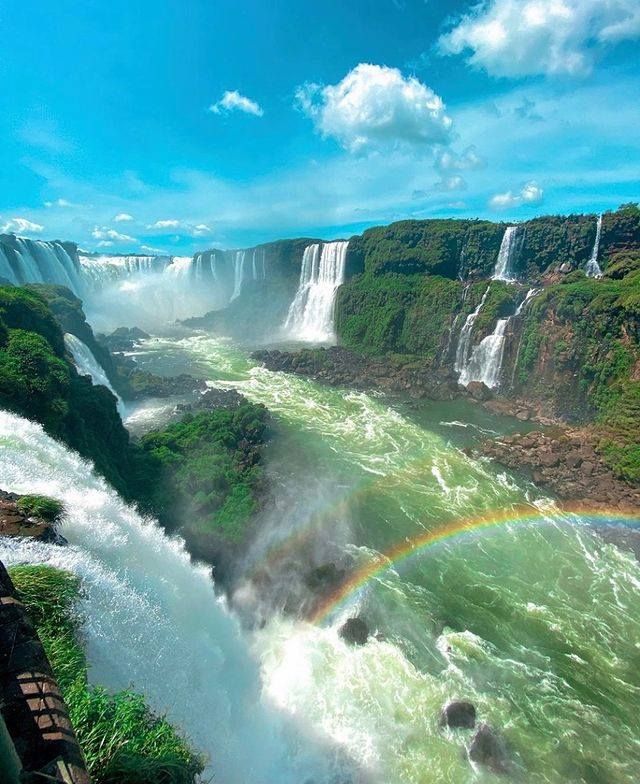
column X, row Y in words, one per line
column 537, row 622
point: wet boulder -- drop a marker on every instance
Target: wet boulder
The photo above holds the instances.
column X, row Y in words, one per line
column 458, row 713
column 479, row 391
column 355, row 631
column 488, row 748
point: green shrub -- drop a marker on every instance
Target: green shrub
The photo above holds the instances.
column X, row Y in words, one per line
column 48, row 509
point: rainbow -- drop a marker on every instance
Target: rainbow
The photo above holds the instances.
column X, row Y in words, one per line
column 455, row 529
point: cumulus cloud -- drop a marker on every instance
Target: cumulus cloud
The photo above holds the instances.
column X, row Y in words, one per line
column 233, row 101
column 123, row 217
column 531, row 193
column 453, row 183
column 468, row 160
column 105, row 234
column 195, row 229
column 105, row 244
column 170, row 223
column 376, row 107
column 21, row 226
column 517, row 38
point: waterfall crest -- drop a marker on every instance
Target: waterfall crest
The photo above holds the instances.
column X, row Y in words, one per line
column 593, row 269
column 87, row 365
column 509, row 248
column 35, row 261
column 310, row 316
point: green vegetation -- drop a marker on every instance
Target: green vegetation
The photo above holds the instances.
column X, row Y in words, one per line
column 203, row 472
column 48, row 509
column 38, row 381
column 123, row 741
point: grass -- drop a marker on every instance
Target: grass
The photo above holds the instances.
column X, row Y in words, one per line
column 48, row 509
column 123, row 741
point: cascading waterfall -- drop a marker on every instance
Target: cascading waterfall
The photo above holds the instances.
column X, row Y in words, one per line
column 34, row 261
column 87, row 365
column 464, row 341
column 100, row 271
column 506, row 256
column 310, row 316
column 485, row 362
column 238, row 273
column 593, row 269
column 151, row 618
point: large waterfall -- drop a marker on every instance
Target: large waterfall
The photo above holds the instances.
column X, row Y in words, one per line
column 151, row 618
column 593, row 268
column 507, row 254
column 310, row 316
column 31, row 261
column 245, row 268
column 88, row 365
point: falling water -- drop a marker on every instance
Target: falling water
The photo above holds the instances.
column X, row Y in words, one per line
column 35, row 261
column 485, row 362
column 310, row 316
column 101, row 271
column 151, row 618
column 238, row 273
column 464, row 341
column 506, row 255
column 88, row 365
column 593, row 268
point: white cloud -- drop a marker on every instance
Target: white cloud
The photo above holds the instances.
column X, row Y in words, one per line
column 60, row 203
column 531, row 193
column 165, row 224
column 527, row 37
column 453, row 183
column 377, row 107
column 468, row 160
column 21, row 226
column 200, row 230
column 123, row 217
column 105, row 244
column 233, row 101
column 106, row 234
column 152, row 250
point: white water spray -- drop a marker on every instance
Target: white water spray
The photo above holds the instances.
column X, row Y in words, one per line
column 88, row 365
column 310, row 316
column 593, row 268
column 485, row 362
column 464, row 341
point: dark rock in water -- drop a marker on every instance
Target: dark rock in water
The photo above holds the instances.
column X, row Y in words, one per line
column 488, row 748
column 479, row 391
column 324, row 577
column 355, row 631
column 123, row 338
column 459, row 714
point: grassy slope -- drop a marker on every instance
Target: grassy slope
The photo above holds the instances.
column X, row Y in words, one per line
column 123, row 742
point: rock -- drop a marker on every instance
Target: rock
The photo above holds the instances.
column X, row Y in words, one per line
column 458, row 714
column 523, row 415
column 573, row 460
column 548, row 460
column 587, row 468
column 479, row 391
column 488, row 748
column 355, row 631
column 324, row 578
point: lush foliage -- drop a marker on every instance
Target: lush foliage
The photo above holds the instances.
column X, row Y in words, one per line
column 39, row 381
column 48, row 509
column 204, row 473
column 123, row 742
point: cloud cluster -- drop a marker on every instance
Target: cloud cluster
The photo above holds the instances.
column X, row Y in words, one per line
column 108, row 236
column 21, row 226
column 123, row 217
column 194, row 229
column 517, row 38
column 376, row 107
column 531, row 193
column 233, row 101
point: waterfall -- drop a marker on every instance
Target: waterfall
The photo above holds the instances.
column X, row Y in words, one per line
column 485, row 362
column 35, row 261
column 464, row 341
column 87, row 365
column 151, row 620
column 506, row 255
column 238, row 273
column 528, row 297
column 310, row 316
column 100, row 271
column 593, row 268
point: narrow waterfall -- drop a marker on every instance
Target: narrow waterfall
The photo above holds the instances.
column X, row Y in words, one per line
column 151, row 619
column 238, row 273
column 464, row 341
column 507, row 254
column 35, row 261
column 87, row 365
column 593, row 268
column 310, row 316
column 485, row 362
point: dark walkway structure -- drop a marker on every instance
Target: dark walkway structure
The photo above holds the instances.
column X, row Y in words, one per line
column 37, row 741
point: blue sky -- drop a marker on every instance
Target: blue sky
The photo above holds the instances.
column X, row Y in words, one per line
column 177, row 126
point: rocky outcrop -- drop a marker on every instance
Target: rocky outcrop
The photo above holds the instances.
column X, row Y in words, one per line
column 459, row 714
column 488, row 748
column 354, row 631
column 566, row 463
column 340, row 367
column 123, row 338
column 18, row 520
